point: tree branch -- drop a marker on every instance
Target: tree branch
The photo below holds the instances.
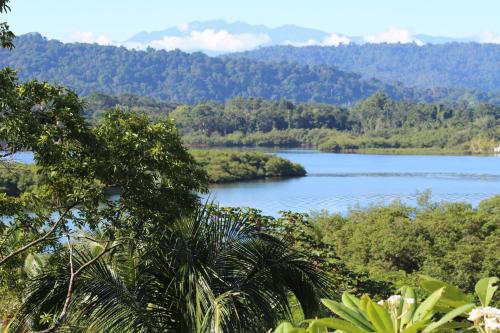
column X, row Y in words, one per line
column 73, row 275
column 38, row 240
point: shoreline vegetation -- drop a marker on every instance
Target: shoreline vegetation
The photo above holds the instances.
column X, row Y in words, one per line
column 221, row 165
column 377, row 124
column 229, row 165
column 368, row 151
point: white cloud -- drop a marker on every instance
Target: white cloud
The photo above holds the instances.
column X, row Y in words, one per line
column 310, row 42
column 211, row 40
column 335, row 40
column 488, row 37
column 332, row 40
column 89, row 37
column 393, row 35
column 183, row 27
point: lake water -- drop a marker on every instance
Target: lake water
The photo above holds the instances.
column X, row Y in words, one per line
column 337, row 182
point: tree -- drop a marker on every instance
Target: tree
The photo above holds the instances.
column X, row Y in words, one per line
column 79, row 167
column 6, row 36
column 212, row 271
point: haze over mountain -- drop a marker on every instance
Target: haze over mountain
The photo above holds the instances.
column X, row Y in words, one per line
column 219, row 36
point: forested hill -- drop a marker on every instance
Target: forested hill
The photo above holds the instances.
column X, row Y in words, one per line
column 454, row 65
column 188, row 78
column 177, row 76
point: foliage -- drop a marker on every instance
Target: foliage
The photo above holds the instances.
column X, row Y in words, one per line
column 399, row 313
column 16, row 178
column 376, row 122
column 221, row 166
column 76, row 168
column 210, row 272
column 97, row 105
column 231, row 165
column 465, row 65
column 441, row 311
column 6, row 36
column 297, row 231
column 450, row 241
column 180, row 77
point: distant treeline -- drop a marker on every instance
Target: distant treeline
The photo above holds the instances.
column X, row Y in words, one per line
column 454, row 65
column 376, row 122
column 190, row 78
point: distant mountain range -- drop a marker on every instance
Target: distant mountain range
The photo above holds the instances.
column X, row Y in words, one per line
column 219, row 36
column 181, row 77
column 452, row 65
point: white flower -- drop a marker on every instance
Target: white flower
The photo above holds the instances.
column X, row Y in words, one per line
column 381, row 302
column 476, row 314
column 409, row 300
column 492, row 324
column 491, row 312
column 394, row 300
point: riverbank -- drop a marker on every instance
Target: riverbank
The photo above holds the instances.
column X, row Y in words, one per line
column 432, row 151
column 221, row 165
column 229, row 165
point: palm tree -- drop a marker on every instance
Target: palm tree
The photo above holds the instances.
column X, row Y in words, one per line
column 209, row 272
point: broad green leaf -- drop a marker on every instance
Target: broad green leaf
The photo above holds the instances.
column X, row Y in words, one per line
column 342, row 325
column 348, row 314
column 408, row 309
column 448, row 317
column 379, row 317
column 285, row 327
column 363, row 302
column 317, row 327
column 452, row 295
column 485, row 288
column 350, row 301
column 413, row 328
column 354, row 303
column 426, row 307
column 449, row 327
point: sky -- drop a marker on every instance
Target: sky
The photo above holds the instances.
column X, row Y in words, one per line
column 117, row 20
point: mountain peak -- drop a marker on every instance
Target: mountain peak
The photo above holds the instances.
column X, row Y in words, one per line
column 220, row 36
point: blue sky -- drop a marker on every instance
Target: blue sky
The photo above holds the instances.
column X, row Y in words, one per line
column 119, row 19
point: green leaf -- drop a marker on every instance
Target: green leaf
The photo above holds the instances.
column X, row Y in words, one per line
column 485, row 288
column 427, row 306
column 348, row 314
column 380, row 318
column 408, row 309
column 342, row 325
column 316, row 326
column 286, row 327
column 350, row 301
column 448, row 317
column 452, row 295
column 413, row 328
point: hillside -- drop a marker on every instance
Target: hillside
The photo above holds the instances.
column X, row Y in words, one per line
column 180, row 77
column 452, row 65
column 189, row 78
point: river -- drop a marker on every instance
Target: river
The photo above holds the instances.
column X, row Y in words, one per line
column 338, row 182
